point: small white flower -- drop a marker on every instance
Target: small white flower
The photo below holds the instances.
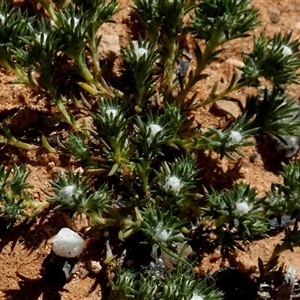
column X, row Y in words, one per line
column 161, row 234
column 154, row 129
column 287, row 50
column 111, row 112
column 174, row 184
column 235, row 137
column 196, row 297
column 140, row 52
column 68, row 191
column 75, row 20
column 242, row 208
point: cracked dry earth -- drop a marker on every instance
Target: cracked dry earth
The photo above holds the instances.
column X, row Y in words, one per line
column 25, row 247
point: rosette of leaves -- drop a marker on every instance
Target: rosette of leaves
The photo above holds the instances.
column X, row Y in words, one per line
column 41, row 56
column 290, row 189
column 163, row 231
column 218, row 21
column 174, row 183
column 140, row 72
column 76, row 195
column 275, row 113
column 113, row 119
column 177, row 286
column 276, row 59
column 13, row 25
column 236, row 214
column 15, row 202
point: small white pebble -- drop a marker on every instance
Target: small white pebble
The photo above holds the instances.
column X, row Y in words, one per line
column 67, row 243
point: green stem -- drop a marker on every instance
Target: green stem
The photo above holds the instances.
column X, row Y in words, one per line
column 216, row 97
column 216, row 40
column 169, row 68
column 175, row 256
column 86, row 74
column 69, row 119
column 14, row 142
column 46, row 4
column 12, row 67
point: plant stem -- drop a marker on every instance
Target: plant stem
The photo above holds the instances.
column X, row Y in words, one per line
column 216, row 40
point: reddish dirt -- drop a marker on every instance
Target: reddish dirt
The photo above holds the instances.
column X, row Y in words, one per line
column 24, row 247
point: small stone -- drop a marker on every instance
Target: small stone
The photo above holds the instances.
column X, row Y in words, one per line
column 23, row 119
column 297, row 26
column 274, row 15
column 78, row 222
column 227, row 107
column 287, row 146
column 94, row 266
column 109, row 47
column 67, row 243
column 234, row 62
column 60, row 269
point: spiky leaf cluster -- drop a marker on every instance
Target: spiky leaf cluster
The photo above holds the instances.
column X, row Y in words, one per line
column 175, row 181
column 14, row 200
column 140, row 71
column 221, row 20
column 275, row 114
column 75, row 194
column 236, row 214
column 276, row 59
column 183, row 285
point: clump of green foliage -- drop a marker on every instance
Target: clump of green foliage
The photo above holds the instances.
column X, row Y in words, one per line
column 140, row 157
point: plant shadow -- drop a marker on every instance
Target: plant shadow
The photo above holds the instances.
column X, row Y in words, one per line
column 32, row 289
column 31, row 234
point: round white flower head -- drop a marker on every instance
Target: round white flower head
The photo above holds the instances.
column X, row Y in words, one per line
column 111, row 112
column 154, row 129
column 68, row 191
column 287, row 51
column 161, row 234
column 173, row 184
column 196, row 297
column 242, row 208
column 140, row 52
column 75, row 20
column 235, row 137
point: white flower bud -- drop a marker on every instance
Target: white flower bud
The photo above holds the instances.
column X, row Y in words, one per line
column 154, row 129
column 174, row 184
column 287, row 51
column 111, row 111
column 68, row 191
column 140, row 52
column 196, row 297
column 242, row 208
column 235, row 137
column 161, row 234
